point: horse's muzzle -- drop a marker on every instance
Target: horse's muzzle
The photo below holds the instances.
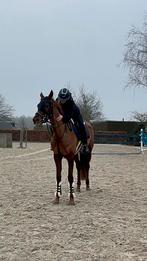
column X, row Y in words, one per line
column 37, row 119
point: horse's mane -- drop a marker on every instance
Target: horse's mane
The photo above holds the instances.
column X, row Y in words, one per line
column 58, row 106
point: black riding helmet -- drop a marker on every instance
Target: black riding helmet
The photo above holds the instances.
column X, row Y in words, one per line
column 64, row 95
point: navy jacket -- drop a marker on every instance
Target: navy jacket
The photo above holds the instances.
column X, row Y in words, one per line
column 71, row 111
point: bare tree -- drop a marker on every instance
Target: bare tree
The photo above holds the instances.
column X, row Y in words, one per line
column 135, row 56
column 24, row 122
column 6, row 111
column 140, row 117
column 90, row 105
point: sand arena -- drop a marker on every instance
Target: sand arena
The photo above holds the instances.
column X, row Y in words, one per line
column 109, row 222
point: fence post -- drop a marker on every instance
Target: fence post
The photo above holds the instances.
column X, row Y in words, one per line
column 26, row 138
column 21, row 138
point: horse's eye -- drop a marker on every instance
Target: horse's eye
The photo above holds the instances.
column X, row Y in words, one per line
column 41, row 107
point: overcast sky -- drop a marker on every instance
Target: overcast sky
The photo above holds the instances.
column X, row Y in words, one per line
column 45, row 44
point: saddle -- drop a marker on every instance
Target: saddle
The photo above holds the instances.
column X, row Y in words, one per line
column 72, row 127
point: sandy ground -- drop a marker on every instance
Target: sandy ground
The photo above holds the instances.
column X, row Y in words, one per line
column 109, row 222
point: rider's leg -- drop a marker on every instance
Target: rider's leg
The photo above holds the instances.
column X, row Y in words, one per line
column 83, row 134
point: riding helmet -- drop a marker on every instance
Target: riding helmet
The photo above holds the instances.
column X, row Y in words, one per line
column 64, row 95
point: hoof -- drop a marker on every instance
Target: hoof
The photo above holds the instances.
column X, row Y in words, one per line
column 56, row 201
column 88, row 188
column 78, row 189
column 71, row 202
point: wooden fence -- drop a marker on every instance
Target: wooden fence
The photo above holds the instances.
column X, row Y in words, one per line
column 116, row 137
column 32, row 135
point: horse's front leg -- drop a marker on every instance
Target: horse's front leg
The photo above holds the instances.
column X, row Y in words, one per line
column 71, row 180
column 58, row 162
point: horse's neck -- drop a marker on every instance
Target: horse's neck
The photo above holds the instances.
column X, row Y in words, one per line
column 65, row 139
column 58, row 126
column 56, row 112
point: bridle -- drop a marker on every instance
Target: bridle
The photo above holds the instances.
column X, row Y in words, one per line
column 45, row 110
column 47, row 116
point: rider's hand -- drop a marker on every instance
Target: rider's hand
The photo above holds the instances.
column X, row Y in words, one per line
column 59, row 118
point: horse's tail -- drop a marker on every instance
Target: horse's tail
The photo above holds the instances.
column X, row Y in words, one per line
column 84, row 164
column 84, row 159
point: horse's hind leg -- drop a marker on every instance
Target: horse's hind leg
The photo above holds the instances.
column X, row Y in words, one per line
column 58, row 162
column 71, row 180
column 78, row 181
column 87, row 175
column 78, row 174
column 87, row 181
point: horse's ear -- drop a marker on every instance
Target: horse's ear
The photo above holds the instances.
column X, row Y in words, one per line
column 41, row 95
column 51, row 95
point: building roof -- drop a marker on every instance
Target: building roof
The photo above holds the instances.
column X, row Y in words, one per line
column 7, row 125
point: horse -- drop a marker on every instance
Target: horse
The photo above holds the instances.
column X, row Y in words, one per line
column 64, row 144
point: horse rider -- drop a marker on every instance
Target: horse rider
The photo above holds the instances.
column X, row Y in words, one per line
column 72, row 111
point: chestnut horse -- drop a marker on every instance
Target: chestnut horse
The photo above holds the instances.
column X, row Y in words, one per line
column 64, row 143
